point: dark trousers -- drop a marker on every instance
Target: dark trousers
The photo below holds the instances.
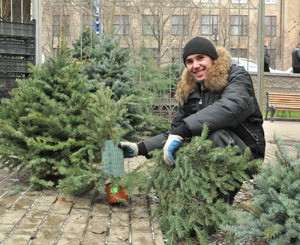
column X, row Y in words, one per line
column 222, row 138
column 296, row 70
column 266, row 68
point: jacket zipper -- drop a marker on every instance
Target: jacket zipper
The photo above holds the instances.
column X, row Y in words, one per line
column 253, row 135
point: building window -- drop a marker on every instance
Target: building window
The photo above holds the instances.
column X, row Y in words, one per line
column 270, row 26
column 209, row 1
column 121, row 24
column 58, row 22
column 209, row 25
column 180, row 25
column 150, row 25
column 239, row 52
column 239, row 25
column 54, row 51
column 270, row 1
column 239, row 1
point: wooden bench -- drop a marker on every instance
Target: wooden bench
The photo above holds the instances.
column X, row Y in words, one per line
column 281, row 101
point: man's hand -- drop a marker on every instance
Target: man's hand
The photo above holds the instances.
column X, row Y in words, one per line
column 173, row 142
column 129, row 149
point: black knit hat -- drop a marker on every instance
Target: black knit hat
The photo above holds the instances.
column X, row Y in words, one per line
column 199, row 45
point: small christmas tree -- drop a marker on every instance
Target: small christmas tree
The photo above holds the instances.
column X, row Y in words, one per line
column 274, row 214
column 102, row 117
column 110, row 65
column 189, row 193
column 44, row 123
column 56, row 127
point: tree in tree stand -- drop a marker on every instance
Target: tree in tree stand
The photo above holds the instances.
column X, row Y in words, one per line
column 104, row 113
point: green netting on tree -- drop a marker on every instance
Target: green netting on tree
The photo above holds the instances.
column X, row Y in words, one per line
column 113, row 159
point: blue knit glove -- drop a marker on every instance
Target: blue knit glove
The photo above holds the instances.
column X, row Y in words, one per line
column 173, row 142
column 129, row 149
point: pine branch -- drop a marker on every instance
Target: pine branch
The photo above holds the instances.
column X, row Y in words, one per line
column 275, row 197
column 51, row 141
column 224, row 229
column 252, row 209
column 279, row 149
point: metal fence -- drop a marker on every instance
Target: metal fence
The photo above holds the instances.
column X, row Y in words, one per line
column 162, row 26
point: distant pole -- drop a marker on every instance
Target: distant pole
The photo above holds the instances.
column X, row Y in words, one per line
column 261, row 36
column 37, row 16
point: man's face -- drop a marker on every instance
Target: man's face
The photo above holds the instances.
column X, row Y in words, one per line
column 198, row 65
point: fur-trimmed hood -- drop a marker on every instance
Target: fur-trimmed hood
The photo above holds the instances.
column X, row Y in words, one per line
column 216, row 78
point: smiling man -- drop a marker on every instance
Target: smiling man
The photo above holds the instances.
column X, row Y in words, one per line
column 211, row 91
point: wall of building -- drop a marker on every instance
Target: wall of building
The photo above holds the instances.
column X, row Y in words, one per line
column 286, row 12
column 291, row 29
column 289, row 83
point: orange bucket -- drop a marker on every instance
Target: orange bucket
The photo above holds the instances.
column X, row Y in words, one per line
column 114, row 192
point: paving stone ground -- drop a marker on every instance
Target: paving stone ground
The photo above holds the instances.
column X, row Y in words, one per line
column 48, row 217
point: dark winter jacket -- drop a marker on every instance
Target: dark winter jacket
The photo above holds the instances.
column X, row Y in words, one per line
column 226, row 100
column 266, row 60
column 296, row 58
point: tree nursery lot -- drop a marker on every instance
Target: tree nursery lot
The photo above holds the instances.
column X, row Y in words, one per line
column 38, row 217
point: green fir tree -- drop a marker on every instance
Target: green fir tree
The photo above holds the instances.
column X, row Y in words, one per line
column 110, row 65
column 44, row 122
column 54, row 126
column 102, row 124
column 274, row 214
column 189, row 193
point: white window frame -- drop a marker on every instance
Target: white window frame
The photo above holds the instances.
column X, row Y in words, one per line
column 209, row 1
column 239, row 1
column 180, row 25
column 270, row 29
column 270, row 1
column 121, row 24
column 240, row 28
column 211, row 25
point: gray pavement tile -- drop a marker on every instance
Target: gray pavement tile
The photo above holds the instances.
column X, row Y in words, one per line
column 93, row 238
column 20, row 239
